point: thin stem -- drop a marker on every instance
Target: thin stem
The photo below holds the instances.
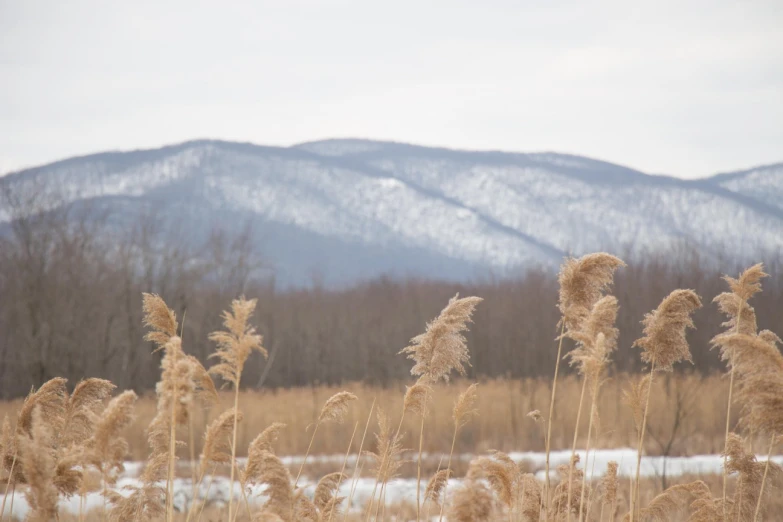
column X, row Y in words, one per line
column 448, row 467
column 172, row 456
column 7, row 484
column 382, row 493
column 587, row 458
column 728, row 405
column 356, row 467
column 193, row 472
column 206, row 495
column 234, row 445
column 549, row 420
column 309, row 446
column 573, row 447
column 764, row 478
column 635, row 494
column 418, row 471
column 11, row 507
column 244, row 497
column 342, row 470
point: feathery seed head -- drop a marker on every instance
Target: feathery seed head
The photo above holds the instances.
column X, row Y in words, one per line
column 237, row 342
column 664, row 342
column 160, row 318
column 636, row 397
column 442, row 347
column 464, row 408
column 336, row 407
column 436, row 484
column 749, row 282
column 472, row 503
column 582, row 281
column 217, row 439
column 417, row 396
column 609, row 484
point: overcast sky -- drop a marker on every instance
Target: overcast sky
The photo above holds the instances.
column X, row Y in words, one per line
column 664, row 86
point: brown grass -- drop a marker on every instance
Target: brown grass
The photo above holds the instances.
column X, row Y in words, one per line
column 502, row 422
column 60, row 440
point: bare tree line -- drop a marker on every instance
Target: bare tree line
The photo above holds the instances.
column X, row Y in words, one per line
column 71, row 281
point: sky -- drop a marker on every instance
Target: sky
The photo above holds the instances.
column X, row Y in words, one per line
column 685, row 88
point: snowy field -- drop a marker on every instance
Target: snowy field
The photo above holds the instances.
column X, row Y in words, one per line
column 217, row 491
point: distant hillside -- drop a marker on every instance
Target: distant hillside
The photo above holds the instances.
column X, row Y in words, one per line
column 351, row 209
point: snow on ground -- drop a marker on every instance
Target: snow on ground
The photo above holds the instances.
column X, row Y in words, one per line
column 217, row 491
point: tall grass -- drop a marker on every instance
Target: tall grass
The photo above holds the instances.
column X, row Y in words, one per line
column 56, row 442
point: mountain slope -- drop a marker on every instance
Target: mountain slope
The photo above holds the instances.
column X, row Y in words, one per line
column 351, row 209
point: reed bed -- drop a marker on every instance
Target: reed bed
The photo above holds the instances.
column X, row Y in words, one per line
column 66, row 442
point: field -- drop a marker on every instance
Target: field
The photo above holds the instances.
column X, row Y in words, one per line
column 700, row 403
column 661, row 445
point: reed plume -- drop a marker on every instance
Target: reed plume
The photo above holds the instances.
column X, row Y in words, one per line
column 675, row 500
column 608, row 485
column 531, row 498
column 472, row 503
column 664, row 344
column 742, row 320
column 334, row 410
column 442, row 348
column 82, row 409
column 501, row 474
column 262, row 442
column 596, row 338
column 437, row 352
column 234, row 346
column 582, row 283
column 38, row 462
column 269, row 470
column 325, row 498
column 106, row 449
column 416, row 397
column 436, row 486
column 564, row 505
column 386, row 456
column 758, row 365
column 50, row 400
column 217, row 440
column 183, row 379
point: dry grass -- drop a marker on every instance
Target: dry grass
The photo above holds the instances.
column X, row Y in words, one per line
column 501, row 423
column 68, row 444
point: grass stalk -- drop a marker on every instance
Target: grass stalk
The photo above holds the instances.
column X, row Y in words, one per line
column 728, row 408
column 764, row 478
column 635, row 491
column 307, row 453
column 448, row 467
column 548, row 439
column 573, row 445
column 233, row 446
column 418, row 471
column 357, row 469
column 587, row 458
column 342, row 469
column 7, row 485
column 172, row 458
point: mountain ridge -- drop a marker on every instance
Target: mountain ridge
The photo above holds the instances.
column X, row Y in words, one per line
column 468, row 212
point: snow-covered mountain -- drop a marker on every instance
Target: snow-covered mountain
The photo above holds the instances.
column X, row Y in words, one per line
column 350, row 209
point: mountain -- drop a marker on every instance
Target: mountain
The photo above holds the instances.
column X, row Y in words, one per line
column 350, row 209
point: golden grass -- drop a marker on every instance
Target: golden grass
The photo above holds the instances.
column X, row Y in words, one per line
column 501, row 423
column 61, row 440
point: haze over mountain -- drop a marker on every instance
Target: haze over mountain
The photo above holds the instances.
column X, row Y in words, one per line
column 350, row 209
